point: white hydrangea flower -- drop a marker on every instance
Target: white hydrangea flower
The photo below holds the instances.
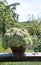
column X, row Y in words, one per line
column 7, row 34
column 24, row 31
column 12, row 33
column 18, row 33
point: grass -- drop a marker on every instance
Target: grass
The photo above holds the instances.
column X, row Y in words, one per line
column 15, row 63
column 1, row 43
column 20, row 63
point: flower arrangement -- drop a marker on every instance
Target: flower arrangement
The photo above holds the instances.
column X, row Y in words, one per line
column 17, row 37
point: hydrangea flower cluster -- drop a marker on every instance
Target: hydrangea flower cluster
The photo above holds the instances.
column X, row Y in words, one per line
column 17, row 37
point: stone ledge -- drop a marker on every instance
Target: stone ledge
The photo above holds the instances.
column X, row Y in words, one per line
column 10, row 57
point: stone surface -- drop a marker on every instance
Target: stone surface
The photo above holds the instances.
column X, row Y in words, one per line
column 10, row 57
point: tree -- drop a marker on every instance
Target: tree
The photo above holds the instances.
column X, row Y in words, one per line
column 7, row 14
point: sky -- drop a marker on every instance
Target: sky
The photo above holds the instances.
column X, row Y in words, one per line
column 27, row 8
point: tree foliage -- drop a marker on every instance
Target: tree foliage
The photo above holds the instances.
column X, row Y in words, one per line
column 7, row 13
